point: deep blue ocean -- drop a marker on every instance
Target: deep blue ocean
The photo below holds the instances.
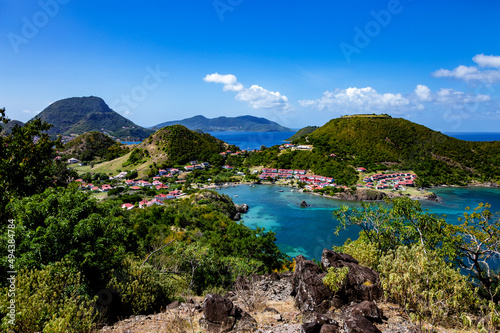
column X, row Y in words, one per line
column 475, row 136
column 308, row 231
column 253, row 140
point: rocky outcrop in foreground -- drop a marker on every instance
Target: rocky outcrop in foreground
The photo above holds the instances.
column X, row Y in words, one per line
column 285, row 303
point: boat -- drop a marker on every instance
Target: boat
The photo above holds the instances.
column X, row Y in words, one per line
column 280, row 191
column 236, row 195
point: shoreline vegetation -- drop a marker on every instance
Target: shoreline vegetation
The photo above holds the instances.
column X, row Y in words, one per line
column 426, row 194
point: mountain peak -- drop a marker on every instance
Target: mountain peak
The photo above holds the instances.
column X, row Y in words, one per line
column 84, row 114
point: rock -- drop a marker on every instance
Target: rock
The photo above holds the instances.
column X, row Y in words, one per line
column 369, row 195
column 245, row 322
column 327, row 328
column 316, row 321
column 220, row 315
column 243, row 208
column 310, row 328
column 237, row 217
column 362, row 283
column 273, row 310
column 173, row 305
column 307, row 287
column 359, row 324
column 274, row 276
column 369, row 310
column 304, row 204
column 216, row 308
column 278, row 317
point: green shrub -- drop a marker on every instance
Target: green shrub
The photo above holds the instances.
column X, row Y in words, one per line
column 335, row 278
column 426, row 285
column 52, row 299
column 143, row 289
column 363, row 251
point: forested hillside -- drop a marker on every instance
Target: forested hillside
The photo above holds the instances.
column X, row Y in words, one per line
column 93, row 146
column 381, row 143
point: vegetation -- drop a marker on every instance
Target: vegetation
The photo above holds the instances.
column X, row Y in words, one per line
column 85, row 114
column 7, row 128
column 83, row 255
column 400, row 144
column 93, row 146
column 180, row 145
column 388, row 144
column 241, row 123
column 438, row 271
column 302, row 132
column 335, row 278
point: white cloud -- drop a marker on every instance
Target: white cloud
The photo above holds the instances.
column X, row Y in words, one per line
column 127, row 113
column 423, row 93
column 473, row 73
column 355, row 100
column 31, row 112
column 229, row 81
column 449, row 97
column 256, row 96
column 261, row 98
column 487, row 60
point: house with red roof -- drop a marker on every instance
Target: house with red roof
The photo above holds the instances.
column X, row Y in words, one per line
column 127, row 206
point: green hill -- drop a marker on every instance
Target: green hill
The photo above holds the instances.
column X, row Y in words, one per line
column 302, row 132
column 7, row 128
column 84, row 114
column 93, row 145
column 241, row 123
column 384, row 143
column 402, row 144
column 177, row 145
column 170, row 146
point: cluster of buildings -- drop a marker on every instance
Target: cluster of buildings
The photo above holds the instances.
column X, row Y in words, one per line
column 159, row 199
column 300, row 175
column 397, row 181
column 136, row 185
column 194, row 165
column 295, row 147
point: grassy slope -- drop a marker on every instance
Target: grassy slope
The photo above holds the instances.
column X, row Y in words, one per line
column 170, row 145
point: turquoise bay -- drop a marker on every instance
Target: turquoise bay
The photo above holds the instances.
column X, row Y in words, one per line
column 308, row 231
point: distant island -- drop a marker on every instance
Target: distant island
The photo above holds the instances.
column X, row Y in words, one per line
column 71, row 117
column 222, row 124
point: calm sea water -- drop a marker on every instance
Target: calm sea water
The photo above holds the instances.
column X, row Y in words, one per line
column 308, row 231
column 475, row 136
column 253, row 140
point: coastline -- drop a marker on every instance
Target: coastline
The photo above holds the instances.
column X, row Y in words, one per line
column 368, row 195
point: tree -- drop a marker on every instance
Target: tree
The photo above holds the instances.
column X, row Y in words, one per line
column 27, row 164
column 403, row 223
column 478, row 240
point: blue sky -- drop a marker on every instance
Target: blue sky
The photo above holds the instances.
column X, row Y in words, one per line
column 299, row 63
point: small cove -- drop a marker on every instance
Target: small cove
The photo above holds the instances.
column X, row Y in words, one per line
column 308, row 231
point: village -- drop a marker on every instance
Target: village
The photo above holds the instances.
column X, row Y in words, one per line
column 160, row 184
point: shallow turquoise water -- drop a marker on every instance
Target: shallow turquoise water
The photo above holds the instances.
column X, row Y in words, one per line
column 308, row 231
